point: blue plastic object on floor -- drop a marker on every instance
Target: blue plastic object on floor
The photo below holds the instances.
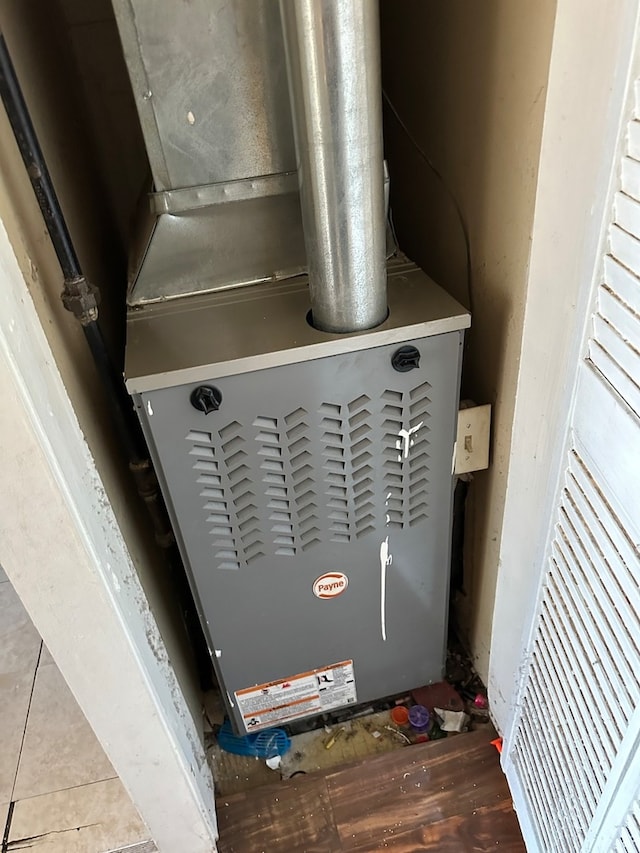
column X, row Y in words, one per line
column 265, row 744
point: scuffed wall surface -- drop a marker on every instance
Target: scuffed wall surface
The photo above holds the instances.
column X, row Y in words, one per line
column 41, row 42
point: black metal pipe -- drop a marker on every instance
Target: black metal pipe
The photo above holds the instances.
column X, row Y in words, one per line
column 31, row 152
column 124, row 418
column 78, row 295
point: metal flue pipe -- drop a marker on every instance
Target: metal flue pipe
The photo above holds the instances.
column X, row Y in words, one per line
column 333, row 60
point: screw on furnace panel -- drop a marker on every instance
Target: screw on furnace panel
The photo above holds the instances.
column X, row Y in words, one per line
column 206, row 398
column 405, row 359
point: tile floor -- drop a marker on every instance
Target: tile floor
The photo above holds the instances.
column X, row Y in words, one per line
column 58, row 790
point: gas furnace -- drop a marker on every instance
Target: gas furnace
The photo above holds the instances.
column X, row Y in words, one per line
column 298, row 388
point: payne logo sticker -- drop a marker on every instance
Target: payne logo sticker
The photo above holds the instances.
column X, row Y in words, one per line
column 330, row 585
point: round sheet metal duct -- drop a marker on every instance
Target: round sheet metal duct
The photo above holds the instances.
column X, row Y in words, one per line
column 333, row 59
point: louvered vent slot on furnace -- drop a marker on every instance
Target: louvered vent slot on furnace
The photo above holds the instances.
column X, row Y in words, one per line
column 216, row 506
column 302, row 478
column 335, row 472
column 235, row 455
column 405, row 423
column 418, row 460
column 392, row 424
column 360, row 458
column 274, row 478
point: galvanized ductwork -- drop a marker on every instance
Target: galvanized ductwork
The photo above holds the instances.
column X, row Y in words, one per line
column 219, row 108
column 333, row 59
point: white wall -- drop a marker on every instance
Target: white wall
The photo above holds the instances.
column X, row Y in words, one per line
column 75, row 540
column 37, row 38
column 588, row 75
column 63, row 551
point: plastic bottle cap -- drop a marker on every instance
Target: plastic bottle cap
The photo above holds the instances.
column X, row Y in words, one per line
column 419, row 718
column 400, row 716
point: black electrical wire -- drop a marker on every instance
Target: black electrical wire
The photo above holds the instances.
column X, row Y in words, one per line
column 438, row 174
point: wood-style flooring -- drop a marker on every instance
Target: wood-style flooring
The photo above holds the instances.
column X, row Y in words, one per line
column 448, row 796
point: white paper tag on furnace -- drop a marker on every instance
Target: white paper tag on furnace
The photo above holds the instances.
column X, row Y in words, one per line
column 301, row 695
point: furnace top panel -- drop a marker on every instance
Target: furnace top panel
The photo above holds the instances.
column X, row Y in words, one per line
column 230, row 332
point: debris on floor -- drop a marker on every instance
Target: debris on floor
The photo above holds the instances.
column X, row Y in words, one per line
column 213, row 710
column 233, row 774
column 360, row 737
column 400, row 716
column 431, row 712
column 442, row 695
column 481, row 701
column 265, row 744
column 451, row 721
column 334, row 737
column 420, row 719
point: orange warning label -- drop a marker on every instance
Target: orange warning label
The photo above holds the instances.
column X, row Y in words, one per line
column 298, row 696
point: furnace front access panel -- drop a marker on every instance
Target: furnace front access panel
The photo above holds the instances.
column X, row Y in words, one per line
column 313, row 511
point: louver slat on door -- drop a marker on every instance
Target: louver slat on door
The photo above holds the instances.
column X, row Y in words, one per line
column 584, row 666
column 578, row 707
column 615, row 344
column 629, row 841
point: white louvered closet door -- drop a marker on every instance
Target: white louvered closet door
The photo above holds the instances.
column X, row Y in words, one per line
column 575, row 748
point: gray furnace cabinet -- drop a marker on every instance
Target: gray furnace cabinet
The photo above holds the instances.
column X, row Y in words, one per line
column 310, row 486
